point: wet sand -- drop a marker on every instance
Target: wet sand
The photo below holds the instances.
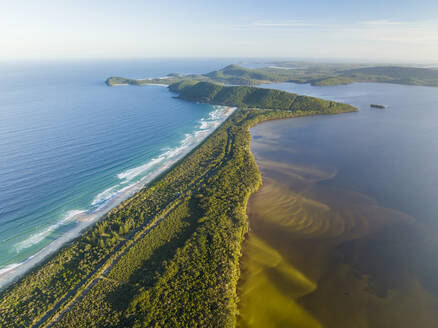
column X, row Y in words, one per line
column 319, row 255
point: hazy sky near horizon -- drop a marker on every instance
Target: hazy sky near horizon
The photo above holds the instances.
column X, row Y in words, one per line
column 374, row 30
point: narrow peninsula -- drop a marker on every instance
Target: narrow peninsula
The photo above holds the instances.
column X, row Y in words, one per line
column 169, row 256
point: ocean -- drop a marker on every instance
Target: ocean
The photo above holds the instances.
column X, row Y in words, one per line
column 71, row 147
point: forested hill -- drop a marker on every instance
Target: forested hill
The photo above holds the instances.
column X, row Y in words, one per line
column 253, row 97
column 322, row 75
column 235, row 74
column 394, row 74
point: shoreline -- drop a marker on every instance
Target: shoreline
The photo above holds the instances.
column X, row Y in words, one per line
column 227, row 153
column 279, row 245
column 13, row 272
column 84, row 220
column 247, row 201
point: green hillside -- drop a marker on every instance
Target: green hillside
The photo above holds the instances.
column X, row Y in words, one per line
column 394, row 74
column 325, row 75
column 234, row 74
column 253, row 97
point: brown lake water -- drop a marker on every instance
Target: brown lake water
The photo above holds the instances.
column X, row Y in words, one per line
column 344, row 229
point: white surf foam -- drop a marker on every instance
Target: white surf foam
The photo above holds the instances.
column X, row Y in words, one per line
column 41, row 235
column 131, row 181
column 205, row 127
column 132, row 173
column 9, row 267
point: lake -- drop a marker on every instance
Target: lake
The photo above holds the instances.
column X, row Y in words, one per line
column 344, row 230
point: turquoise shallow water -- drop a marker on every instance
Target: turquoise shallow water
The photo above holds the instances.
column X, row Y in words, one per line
column 71, row 145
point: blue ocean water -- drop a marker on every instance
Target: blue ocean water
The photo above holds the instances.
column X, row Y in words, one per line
column 70, row 146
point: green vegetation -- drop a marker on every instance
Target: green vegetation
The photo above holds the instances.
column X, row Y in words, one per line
column 326, row 74
column 117, row 80
column 394, row 74
column 253, row 97
column 234, row 74
column 313, row 73
column 338, row 80
column 169, row 256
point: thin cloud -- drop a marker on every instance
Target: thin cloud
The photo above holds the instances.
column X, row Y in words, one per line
column 383, row 22
column 282, row 24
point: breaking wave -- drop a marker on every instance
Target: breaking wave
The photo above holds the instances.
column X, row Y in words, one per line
column 41, row 235
column 130, row 182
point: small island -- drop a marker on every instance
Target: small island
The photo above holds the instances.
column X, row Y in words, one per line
column 377, row 106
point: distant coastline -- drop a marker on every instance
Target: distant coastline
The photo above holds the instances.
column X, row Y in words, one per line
column 314, row 74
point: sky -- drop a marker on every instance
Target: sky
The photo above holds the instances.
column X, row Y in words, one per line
column 372, row 30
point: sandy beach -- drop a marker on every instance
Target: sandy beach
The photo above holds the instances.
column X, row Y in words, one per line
column 86, row 218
